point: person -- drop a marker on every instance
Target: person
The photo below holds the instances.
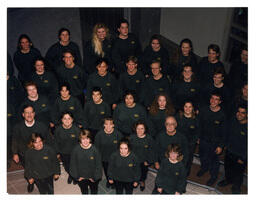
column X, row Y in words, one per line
column 24, row 58
column 41, row 165
column 124, row 168
column 171, row 177
column 236, row 153
column 184, row 55
column 106, row 141
column 211, row 139
column 104, row 80
column 155, row 84
column 132, row 79
column 125, row 45
column 155, row 51
column 22, row 132
column 73, row 74
column 54, row 54
column 10, row 68
column 45, row 81
column 95, row 111
column 207, row 65
column 187, row 87
column 66, row 103
column 85, row 164
column 144, row 148
column 170, row 136
column 66, row 138
column 189, row 125
column 127, row 113
column 99, row 46
column 159, row 110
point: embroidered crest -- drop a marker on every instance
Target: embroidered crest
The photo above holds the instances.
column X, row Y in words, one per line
column 136, row 115
column 115, row 141
column 242, row 133
column 102, row 112
column 146, row 146
column 43, row 105
column 160, row 89
column 137, row 81
column 73, row 135
column 9, row 114
column 192, row 90
column 217, row 122
column 176, row 173
column 45, row 81
column 159, row 58
column 132, row 42
column 45, row 157
column 75, row 76
column 130, row 165
column 108, row 84
column 192, row 126
column 91, row 157
column 71, row 107
column 12, row 88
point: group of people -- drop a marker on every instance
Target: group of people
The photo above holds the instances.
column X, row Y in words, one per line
column 122, row 110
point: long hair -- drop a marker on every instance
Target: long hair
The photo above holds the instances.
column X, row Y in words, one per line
column 96, row 43
column 26, row 37
column 33, row 138
column 174, row 148
column 181, row 112
column 170, row 110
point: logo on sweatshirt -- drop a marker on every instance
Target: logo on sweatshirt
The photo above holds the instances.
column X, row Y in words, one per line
column 158, row 58
column 91, row 157
column 160, row 89
column 73, row 135
column 108, row 84
column 45, row 81
column 217, row 122
column 43, row 105
column 71, row 107
column 136, row 115
column 109, row 46
column 12, row 88
column 176, row 173
column 9, row 114
column 130, row 165
column 132, row 42
column 75, row 77
column 192, row 90
column 115, row 141
column 45, row 157
column 192, row 126
column 146, row 146
column 102, row 112
column 242, row 133
column 137, row 81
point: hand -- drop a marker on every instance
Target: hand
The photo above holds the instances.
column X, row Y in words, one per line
column 110, row 181
column 16, row 158
column 240, row 161
column 218, row 150
column 52, row 125
column 80, row 179
column 114, row 106
column 157, row 166
column 80, row 126
column 56, row 177
column 160, row 190
column 146, row 163
column 31, row 181
column 135, row 184
column 177, row 193
column 91, row 180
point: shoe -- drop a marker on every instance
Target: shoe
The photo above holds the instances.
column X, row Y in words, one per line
column 200, row 173
column 108, row 184
column 30, row 187
column 142, row 187
column 211, row 181
column 69, row 179
column 223, row 183
column 74, row 182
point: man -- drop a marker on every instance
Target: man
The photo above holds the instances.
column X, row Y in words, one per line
column 124, row 46
column 212, row 137
column 236, row 153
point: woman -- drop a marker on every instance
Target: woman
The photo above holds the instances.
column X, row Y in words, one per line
column 98, row 47
column 171, row 177
column 85, row 164
column 124, row 169
column 46, row 81
column 66, row 138
column 41, row 165
column 159, row 110
column 127, row 113
column 107, row 141
column 24, row 58
column 184, row 54
column 144, row 148
column 189, row 125
column 185, row 88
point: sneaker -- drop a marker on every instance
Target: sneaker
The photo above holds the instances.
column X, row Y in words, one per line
column 223, row 183
column 30, row 187
column 211, row 181
column 200, row 172
column 69, row 179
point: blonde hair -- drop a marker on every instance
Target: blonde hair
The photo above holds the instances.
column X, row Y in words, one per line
column 97, row 45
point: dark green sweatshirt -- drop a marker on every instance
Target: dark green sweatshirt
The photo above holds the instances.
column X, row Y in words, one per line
column 125, row 169
column 107, row 143
column 85, row 163
column 40, row 164
column 171, row 177
column 66, row 139
column 157, row 122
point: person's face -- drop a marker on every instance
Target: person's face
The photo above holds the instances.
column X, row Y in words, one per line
column 101, row 34
column 161, row 102
column 85, row 141
column 155, row 45
column 39, row 66
column 67, row 120
column 64, row 92
column 212, row 56
column 155, row 68
column 64, row 36
column 38, row 144
column 32, row 91
column 124, row 151
column 123, row 29
column 24, row 44
column 102, row 69
column 244, row 56
column 108, row 126
column 215, row 101
column 68, row 59
column 241, row 114
column 28, row 114
column 173, row 156
column 140, row 130
column 245, row 91
column 217, row 79
column 131, row 66
column 96, row 96
column 188, row 108
column 170, row 125
column 187, row 72
column 129, row 100
column 185, row 49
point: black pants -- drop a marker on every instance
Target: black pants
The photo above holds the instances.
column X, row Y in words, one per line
column 144, row 171
column 233, row 170
column 121, row 186
column 208, row 158
column 65, row 158
column 85, row 183
column 45, row 186
column 105, row 168
column 192, row 147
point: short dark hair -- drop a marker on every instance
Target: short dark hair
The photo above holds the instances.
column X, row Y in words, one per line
column 132, row 93
column 219, row 70
column 121, row 21
column 140, row 122
column 187, row 40
column 101, row 60
column 96, row 89
column 155, row 37
column 26, row 106
column 133, row 59
column 215, row 48
column 216, row 93
column 66, row 112
column 30, row 83
column 21, row 37
column 61, row 30
column 68, row 51
column 243, row 106
column 126, row 141
column 64, row 84
column 85, row 134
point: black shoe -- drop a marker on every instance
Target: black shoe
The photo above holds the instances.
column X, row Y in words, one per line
column 30, row 187
column 211, row 181
column 108, row 184
column 69, row 179
column 74, row 182
column 223, row 183
column 200, row 173
column 142, row 187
